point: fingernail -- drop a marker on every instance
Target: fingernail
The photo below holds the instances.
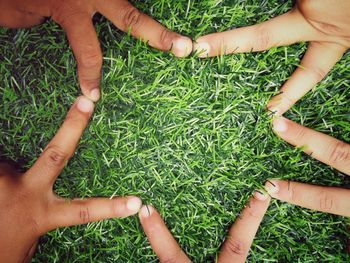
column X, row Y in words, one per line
column 134, row 203
column 271, row 186
column 202, row 48
column 280, row 125
column 146, row 211
column 274, row 104
column 95, row 94
column 182, row 47
column 260, row 195
column 85, row 105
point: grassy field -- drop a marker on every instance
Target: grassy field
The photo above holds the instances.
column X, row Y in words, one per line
column 189, row 136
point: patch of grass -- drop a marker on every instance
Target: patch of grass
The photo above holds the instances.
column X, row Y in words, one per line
column 189, row 136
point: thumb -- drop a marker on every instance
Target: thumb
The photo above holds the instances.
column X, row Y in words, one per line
column 82, row 211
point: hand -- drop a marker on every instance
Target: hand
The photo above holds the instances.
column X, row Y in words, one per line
column 324, row 23
column 328, row 150
column 235, row 248
column 75, row 18
column 28, row 206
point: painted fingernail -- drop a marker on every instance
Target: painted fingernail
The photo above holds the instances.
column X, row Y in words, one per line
column 85, row 105
column 271, row 186
column 133, row 204
column 146, row 211
column 95, row 94
column 260, row 195
column 203, row 49
column 280, row 125
column 182, row 47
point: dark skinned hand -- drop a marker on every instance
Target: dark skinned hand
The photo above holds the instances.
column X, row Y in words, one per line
column 75, row 17
column 28, row 206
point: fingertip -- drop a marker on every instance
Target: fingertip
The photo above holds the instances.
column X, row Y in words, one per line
column 182, row 47
column 202, row 48
column 274, row 105
column 261, row 195
column 280, row 125
column 146, row 211
column 95, row 95
column 133, row 204
column 91, row 94
column 85, row 105
column 272, row 186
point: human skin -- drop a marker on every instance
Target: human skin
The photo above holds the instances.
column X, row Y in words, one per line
column 236, row 247
column 324, row 148
column 325, row 24
column 28, row 206
column 75, row 17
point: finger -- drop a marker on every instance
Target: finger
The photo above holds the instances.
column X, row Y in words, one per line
column 319, row 59
column 127, row 18
column 241, row 234
column 162, row 241
column 17, row 19
column 82, row 211
column 62, row 146
column 332, row 200
column 320, row 146
column 85, row 45
column 283, row 30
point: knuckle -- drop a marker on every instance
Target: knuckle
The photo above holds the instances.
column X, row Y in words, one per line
column 317, row 73
column 292, row 194
column 115, row 207
column 165, row 39
column 235, row 247
column 132, row 18
column 84, row 215
column 263, row 39
column 300, row 134
column 91, row 58
column 252, row 211
column 326, row 201
column 340, row 153
column 56, row 157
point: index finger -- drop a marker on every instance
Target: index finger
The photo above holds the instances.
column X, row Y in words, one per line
column 282, row 30
column 332, row 200
column 62, row 146
column 320, row 146
column 126, row 17
column 86, row 48
column 241, row 234
column 162, row 241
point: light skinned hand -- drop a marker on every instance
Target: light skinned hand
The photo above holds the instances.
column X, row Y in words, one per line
column 75, row 17
column 236, row 247
column 324, row 148
column 325, row 24
column 28, row 206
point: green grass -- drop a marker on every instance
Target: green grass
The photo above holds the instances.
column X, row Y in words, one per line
column 189, row 136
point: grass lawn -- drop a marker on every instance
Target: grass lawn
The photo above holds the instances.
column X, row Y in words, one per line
column 190, row 136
